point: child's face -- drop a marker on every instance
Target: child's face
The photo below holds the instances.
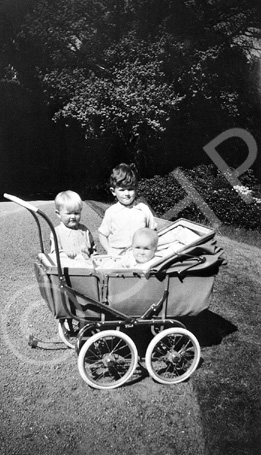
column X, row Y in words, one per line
column 70, row 215
column 142, row 248
column 125, row 196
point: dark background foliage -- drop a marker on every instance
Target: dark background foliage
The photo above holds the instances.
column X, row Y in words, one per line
column 165, row 192
column 85, row 85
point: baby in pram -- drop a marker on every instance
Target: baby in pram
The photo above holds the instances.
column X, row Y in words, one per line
column 141, row 253
column 148, row 249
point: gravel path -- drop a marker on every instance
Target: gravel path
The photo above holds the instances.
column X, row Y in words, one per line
column 46, row 407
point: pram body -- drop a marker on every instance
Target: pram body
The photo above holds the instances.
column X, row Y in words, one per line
column 98, row 309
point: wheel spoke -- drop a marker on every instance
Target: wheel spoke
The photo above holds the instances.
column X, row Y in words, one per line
column 185, row 347
column 93, row 354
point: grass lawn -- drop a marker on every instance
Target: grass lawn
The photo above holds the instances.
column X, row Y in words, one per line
column 228, row 382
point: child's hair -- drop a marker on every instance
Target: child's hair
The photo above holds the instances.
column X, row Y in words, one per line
column 149, row 233
column 124, row 175
column 66, row 198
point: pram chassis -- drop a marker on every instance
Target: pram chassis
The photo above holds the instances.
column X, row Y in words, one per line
column 107, row 354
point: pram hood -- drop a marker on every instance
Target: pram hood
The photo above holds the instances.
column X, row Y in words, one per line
column 198, row 253
column 184, row 246
column 199, row 259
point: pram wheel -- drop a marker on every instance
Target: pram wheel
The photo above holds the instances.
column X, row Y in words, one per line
column 172, row 355
column 108, row 359
column 68, row 330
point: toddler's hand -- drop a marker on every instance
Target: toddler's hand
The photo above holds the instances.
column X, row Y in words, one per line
column 70, row 254
column 85, row 252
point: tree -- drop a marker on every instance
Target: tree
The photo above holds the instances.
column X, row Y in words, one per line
column 146, row 81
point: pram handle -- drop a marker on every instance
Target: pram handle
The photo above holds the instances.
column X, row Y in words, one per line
column 19, row 201
column 33, row 210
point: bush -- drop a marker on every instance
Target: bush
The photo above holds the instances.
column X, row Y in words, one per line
column 163, row 193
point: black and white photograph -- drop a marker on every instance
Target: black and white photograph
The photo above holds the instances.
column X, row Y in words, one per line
column 130, row 209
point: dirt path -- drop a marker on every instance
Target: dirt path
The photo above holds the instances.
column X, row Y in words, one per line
column 46, row 407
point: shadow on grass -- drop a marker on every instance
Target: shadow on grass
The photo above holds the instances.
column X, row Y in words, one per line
column 209, row 327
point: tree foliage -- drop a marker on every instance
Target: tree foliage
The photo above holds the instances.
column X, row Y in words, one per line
column 153, row 80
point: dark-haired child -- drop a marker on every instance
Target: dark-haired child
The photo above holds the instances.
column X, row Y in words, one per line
column 124, row 218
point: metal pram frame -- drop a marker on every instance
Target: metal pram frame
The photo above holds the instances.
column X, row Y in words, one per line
column 98, row 310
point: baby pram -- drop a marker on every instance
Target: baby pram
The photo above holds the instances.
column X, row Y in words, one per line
column 98, row 309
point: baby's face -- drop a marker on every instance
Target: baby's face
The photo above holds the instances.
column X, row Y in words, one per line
column 70, row 215
column 143, row 249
